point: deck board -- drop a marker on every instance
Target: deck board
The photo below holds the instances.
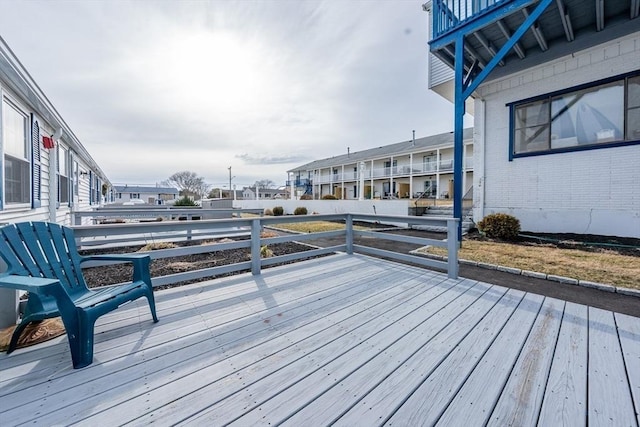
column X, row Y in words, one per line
column 565, row 399
column 344, row 340
column 629, row 333
column 521, row 398
column 609, row 398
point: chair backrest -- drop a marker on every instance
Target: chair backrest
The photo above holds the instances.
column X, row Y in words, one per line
column 42, row 249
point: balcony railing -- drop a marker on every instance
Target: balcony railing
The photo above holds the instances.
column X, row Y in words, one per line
column 393, row 171
column 301, row 182
column 450, row 14
column 158, row 231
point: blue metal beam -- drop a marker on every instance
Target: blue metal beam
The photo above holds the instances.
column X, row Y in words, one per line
column 473, row 24
column 463, row 89
column 458, row 128
column 531, row 19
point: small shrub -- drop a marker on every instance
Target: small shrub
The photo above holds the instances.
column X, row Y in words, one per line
column 157, row 246
column 267, row 212
column 278, row 211
column 500, row 226
column 265, row 252
column 300, row 210
column 329, row 197
column 306, row 197
column 184, row 201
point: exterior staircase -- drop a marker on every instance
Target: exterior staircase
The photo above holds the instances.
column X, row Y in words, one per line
column 446, row 211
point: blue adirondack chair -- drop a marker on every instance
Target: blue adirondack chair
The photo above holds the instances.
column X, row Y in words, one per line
column 42, row 259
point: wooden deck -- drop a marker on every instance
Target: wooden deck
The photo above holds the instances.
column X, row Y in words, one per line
column 345, row 340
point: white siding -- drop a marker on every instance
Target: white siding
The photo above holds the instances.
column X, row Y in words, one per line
column 595, row 191
column 439, row 72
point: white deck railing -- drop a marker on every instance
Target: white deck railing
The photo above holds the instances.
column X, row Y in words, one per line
column 131, row 233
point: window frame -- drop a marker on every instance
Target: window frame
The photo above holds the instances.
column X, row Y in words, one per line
column 6, row 98
column 550, row 97
column 64, row 151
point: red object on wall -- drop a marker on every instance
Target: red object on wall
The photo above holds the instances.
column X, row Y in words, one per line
column 48, row 142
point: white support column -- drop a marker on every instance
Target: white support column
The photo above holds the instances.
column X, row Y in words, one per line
column 391, row 177
column 438, row 189
column 292, row 186
column 361, row 177
column 464, row 170
column 373, row 192
column 342, row 181
column 410, row 175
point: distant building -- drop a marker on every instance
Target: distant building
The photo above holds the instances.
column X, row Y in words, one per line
column 249, row 193
column 410, row 169
column 151, row 195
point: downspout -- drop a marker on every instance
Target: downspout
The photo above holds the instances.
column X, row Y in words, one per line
column 53, row 177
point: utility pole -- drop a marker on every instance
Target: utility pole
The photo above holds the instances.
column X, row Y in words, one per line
column 230, row 189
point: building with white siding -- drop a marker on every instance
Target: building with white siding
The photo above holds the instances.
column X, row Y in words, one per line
column 152, row 195
column 557, row 121
column 417, row 168
column 40, row 183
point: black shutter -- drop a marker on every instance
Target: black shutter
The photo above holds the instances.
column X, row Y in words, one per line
column 91, row 194
column 36, row 166
column 57, row 174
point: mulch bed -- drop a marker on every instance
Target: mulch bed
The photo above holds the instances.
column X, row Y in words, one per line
column 119, row 273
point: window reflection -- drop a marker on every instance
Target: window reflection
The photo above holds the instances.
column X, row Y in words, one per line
column 591, row 116
column 588, row 117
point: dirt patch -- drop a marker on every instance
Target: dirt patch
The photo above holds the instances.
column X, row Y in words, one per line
column 583, row 242
column 111, row 274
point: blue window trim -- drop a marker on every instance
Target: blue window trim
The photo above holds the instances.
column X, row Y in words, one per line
column 512, row 108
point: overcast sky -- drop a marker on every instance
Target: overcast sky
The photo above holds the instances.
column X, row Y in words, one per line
column 151, row 88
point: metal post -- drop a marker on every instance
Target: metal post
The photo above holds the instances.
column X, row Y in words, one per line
column 349, row 233
column 458, row 145
column 255, row 247
column 452, row 248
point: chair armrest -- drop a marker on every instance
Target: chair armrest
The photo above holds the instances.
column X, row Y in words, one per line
column 113, row 257
column 41, row 286
column 36, row 285
column 140, row 263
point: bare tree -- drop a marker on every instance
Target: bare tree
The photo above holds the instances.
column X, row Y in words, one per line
column 265, row 183
column 189, row 184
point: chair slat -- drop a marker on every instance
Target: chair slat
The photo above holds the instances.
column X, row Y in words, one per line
column 20, row 261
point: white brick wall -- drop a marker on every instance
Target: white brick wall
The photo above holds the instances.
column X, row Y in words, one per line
column 594, row 191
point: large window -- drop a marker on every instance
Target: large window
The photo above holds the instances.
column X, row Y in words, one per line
column 605, row 113
column 17, row 168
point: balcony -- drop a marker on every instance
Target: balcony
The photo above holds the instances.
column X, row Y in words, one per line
column 564, row 26
column 319, row 343
column 299, row 182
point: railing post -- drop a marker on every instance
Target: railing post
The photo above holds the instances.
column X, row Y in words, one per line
column 349, row 233
column 452, row 248
column 255, row 247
